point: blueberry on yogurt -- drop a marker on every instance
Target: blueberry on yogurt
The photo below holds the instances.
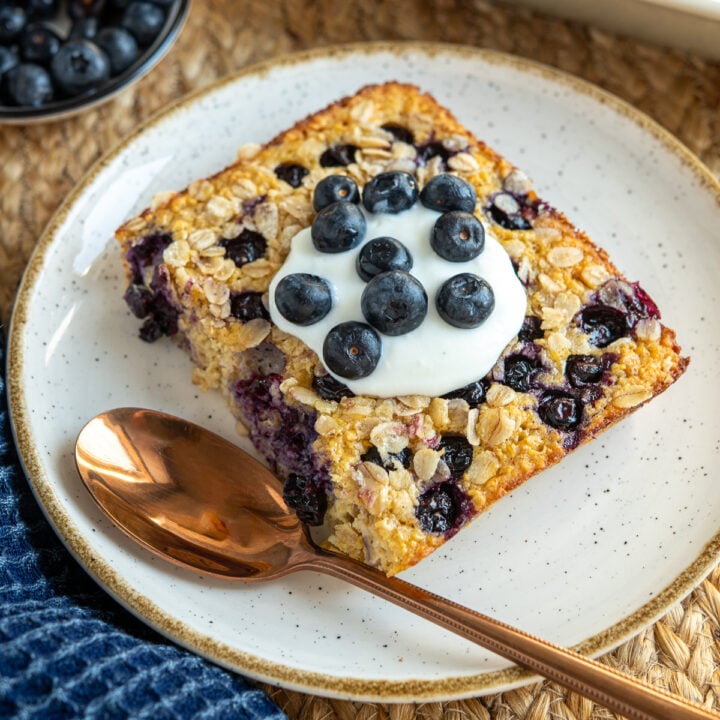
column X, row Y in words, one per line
column 303, row 299
column 352, row 350
column 394, row 302
column 446, row 192
column 390, row 192
column 380, row 255
column 458, row 236
column 339, row 227
column 335, row 188
column 465, row 300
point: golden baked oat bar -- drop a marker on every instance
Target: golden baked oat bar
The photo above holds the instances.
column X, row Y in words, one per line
column 391, row 474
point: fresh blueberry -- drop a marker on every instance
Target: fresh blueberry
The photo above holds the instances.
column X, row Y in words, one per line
column 38, row 44
column 506, row 211
column 584, row 370
column 400, row 133
column 144, row 20
column 120, row 47
column 458, row 236
column 306, row 497
column 79, row 66
column 339, row 227
column 328, row 388
column 85, row 8
column 13, row 19
column 8, row 59
column 380, row 255
column 247, row 306
column 520, row 372
column 28, row 85
column 247, row 247
column 560, row 410
column 303, row 299
column 392, row 461
column 352, row 350
column 531, row 329
column 457, row 453
column 394, row 302
column 473, row 393
column 335, row 188
column 446, row 192
column 338, row 156
column 465, row 301
column 42, row 9
column 291, row 173
column 603, row 324
column 84, row 28
column 390, row 192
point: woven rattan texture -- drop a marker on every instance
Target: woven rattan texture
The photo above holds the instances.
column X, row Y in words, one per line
column 41, row 163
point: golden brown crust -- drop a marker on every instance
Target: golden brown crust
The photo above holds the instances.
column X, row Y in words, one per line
column 374, row 507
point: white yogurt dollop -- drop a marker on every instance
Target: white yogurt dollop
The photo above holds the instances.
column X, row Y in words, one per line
column 436, row 357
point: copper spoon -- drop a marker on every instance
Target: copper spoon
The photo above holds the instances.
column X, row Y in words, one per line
column 200, row 501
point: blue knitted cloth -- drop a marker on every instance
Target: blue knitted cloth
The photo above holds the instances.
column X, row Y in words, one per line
column 67, row 650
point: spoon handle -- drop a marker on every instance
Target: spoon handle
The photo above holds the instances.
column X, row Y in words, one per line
column 610, row 688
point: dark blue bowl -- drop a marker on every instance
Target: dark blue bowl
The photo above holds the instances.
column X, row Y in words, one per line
column 150, row 56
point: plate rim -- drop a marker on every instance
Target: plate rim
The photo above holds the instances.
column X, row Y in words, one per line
column 406, row 690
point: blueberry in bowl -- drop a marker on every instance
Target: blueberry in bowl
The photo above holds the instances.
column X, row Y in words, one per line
column 58, row 57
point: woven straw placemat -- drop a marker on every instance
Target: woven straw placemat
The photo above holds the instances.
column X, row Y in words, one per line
column 41, row 163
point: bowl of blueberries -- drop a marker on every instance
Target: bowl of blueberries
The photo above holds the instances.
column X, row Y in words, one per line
column 58, row 57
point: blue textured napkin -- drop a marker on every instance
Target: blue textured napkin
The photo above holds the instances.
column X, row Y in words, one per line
column 67, row 650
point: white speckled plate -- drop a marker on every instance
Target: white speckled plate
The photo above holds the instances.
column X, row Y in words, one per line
column 584, row 554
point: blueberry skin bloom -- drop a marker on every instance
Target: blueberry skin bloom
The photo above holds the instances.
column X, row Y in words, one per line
column 458, row 236
column 339, row 227
column 303, row 299
column 120, row 47
column 352, row 350
column 381, row 255
column 79, row 66
column 390, row 192
column 335, row 188
column 38, row 44
column 8, row 60
column 446, row 192
column 28, row 85
column 144, row 20
column 394, row 302
column 13, row 19
column 465, row 301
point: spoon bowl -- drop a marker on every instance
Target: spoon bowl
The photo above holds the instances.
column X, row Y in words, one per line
column 202, row 502
column 189, row 495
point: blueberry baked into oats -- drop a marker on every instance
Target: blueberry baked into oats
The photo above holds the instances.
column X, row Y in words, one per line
column 401, row 326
